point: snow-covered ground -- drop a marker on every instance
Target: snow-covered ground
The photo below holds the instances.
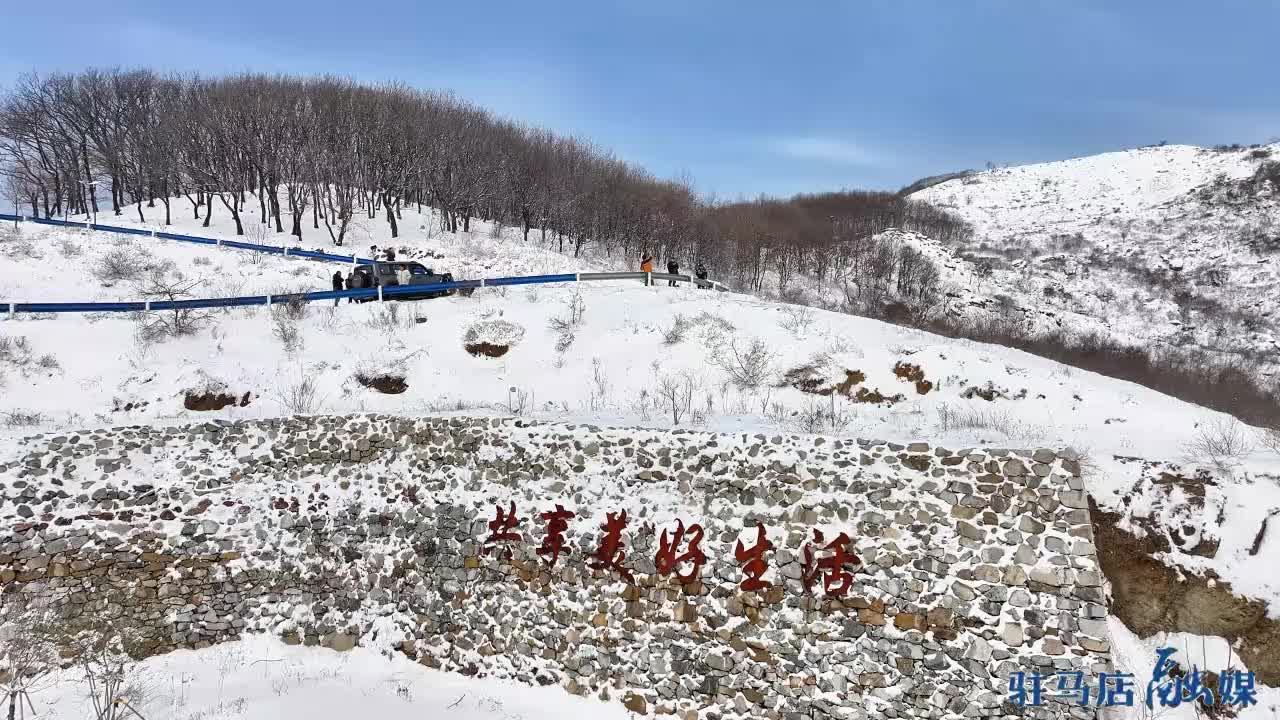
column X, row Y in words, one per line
column 262, row 678
column 632, row 352
column 51, row 264
column 1118, row 236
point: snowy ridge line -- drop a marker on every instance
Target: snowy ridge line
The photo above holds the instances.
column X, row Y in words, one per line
column 272, row 249
column 379, row 293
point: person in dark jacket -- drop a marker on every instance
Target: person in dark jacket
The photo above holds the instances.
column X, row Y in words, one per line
column 700, row 272
column 337, row 286
column 673, row 268
column 351, row 284
column 391, row 254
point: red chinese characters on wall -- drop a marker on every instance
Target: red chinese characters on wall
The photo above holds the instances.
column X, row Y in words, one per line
column 669, row 557
column 830, row 565
column 831, row 562
column 610, row 555
column 502, row 530
column 752, row 561
column 553, row 543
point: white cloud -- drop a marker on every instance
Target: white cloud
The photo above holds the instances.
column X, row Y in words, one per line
column 832, row 150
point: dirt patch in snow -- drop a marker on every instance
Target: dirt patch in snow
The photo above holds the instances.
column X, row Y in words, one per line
column 1151, row 597
column 484, row 349
column 812, row 380
column 385, row 384
column 208, row 401
column 913, row 374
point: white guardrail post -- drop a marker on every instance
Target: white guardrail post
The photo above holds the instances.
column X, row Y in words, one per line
column 11, row 310
column 146, row 305
column 268, row 302
column 379, row 293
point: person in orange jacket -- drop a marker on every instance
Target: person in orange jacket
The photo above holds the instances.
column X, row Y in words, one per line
column 646, row 266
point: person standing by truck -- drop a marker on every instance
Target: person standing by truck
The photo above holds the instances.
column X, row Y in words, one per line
column 337, row 286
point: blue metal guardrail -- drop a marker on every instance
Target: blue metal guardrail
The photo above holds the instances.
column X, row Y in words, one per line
column 379, row 293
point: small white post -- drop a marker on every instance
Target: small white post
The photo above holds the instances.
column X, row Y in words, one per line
column 577, row 277
column 86, row 224
column 153, row 233
column 379, row 293
column 146, row 305
column 286, row 251
column 268, row 302
column 481, row 282
column 648, row 279
column 219, row 242
column 353, row 261
column 11, row 310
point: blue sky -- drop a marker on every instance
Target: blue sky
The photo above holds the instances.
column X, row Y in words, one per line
column 744, row 97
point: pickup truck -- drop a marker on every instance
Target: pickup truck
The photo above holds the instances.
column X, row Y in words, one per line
column 383, row 274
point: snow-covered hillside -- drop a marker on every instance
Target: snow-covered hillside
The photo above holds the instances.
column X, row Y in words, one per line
column 1172, row 245
column 623, row 354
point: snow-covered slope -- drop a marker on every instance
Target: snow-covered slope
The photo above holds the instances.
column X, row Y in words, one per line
column 1172, row 245
column 634, row 355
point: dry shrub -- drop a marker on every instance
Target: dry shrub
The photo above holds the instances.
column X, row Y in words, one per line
column 1221, row 443
column 796, row 319
column 748, row 366
column 299, row 395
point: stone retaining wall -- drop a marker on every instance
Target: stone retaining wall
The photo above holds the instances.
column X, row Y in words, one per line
column 974, row 563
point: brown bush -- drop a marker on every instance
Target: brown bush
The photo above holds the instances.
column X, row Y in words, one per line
column 385, row 384
column 851, row 378
column 876, row 397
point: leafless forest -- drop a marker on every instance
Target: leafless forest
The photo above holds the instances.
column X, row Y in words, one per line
column 308, row 155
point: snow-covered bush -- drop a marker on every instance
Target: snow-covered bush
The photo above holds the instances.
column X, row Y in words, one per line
column 1221, row 443
column 748, row 364
column 498, row 333
column 69, row 248
column 285, row 329
column 121, row 262
column 675, row 334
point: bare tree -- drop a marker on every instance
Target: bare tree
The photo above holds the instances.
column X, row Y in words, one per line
column 675, row 394
column 28, row 655
column 174, row 322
